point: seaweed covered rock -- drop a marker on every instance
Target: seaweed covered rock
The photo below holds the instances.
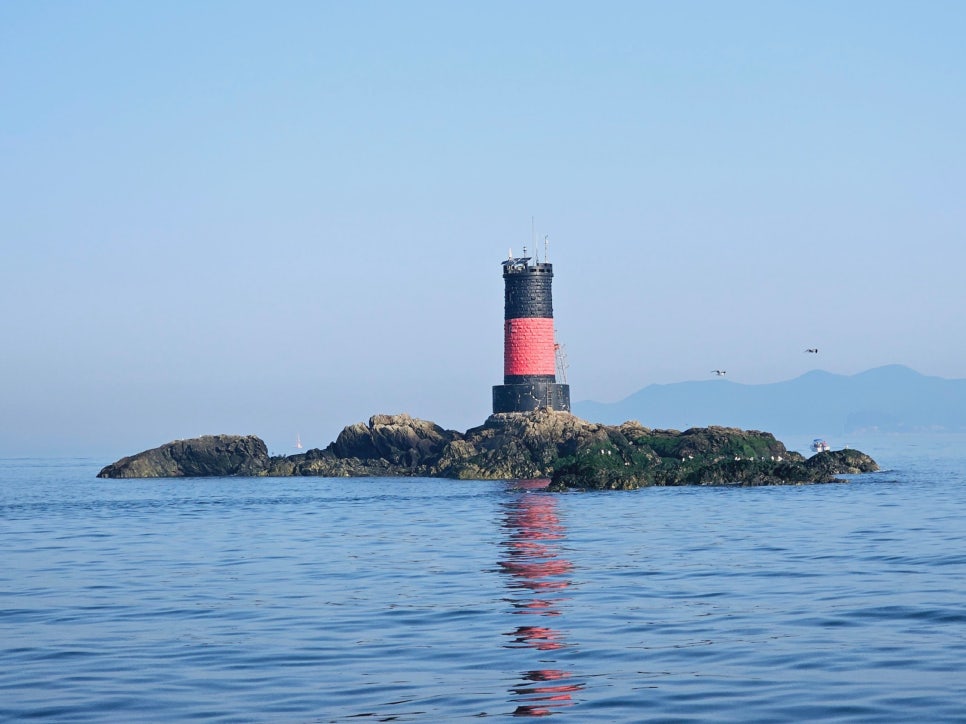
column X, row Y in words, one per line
column 702, row 456
column 635, row 456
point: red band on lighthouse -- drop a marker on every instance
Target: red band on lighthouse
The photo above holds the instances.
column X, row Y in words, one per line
column 528, row 346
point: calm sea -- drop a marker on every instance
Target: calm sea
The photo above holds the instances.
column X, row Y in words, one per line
column 348, row 600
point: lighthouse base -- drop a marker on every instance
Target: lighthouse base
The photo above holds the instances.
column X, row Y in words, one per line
column 530, row 396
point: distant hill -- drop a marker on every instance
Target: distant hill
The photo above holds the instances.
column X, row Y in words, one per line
column 888, row 399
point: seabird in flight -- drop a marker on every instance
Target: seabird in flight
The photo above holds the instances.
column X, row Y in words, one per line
column 812, row 350
column 720, row 373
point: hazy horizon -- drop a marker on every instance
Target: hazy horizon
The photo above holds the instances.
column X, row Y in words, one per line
column 225, row 218
column 288, row 447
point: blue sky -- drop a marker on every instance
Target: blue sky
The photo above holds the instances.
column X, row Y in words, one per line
column 281, row 218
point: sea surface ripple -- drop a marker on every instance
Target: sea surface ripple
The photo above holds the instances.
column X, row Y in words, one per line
column 313, row 599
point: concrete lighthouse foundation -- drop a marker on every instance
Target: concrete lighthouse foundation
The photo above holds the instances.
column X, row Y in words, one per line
column 529, row 350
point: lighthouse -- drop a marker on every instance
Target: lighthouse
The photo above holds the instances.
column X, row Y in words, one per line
column 529, row 350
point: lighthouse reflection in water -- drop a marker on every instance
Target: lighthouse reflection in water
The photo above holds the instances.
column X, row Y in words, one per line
column 539, row 578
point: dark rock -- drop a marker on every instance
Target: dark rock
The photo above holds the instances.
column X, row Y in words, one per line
column 840, row 462
column 400, row 440
column 211, row 455
column 390, row 445
column 512, row 445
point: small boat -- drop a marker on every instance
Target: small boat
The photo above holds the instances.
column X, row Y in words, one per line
column 819, row 445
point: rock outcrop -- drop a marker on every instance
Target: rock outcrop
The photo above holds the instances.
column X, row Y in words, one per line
column 211, row 455
column 573, row 453
column 390, row 445
column 702, row 456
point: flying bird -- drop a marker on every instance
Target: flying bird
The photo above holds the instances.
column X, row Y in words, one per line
column 719, row 373
column 812, row 350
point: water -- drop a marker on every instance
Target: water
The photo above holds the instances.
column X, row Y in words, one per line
column 316, row 600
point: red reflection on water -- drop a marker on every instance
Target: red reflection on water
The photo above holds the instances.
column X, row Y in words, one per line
column 543, row 698
column 536, row 606
column 533, row 556
column 538, row 637
column 533, row 559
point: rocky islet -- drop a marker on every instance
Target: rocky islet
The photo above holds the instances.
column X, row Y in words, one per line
column 571, row 452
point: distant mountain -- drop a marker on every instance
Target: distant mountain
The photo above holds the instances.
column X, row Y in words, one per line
column 889, row 399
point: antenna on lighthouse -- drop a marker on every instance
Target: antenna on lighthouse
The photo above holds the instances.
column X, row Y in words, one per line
column 546, row 248
column 560, row 357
